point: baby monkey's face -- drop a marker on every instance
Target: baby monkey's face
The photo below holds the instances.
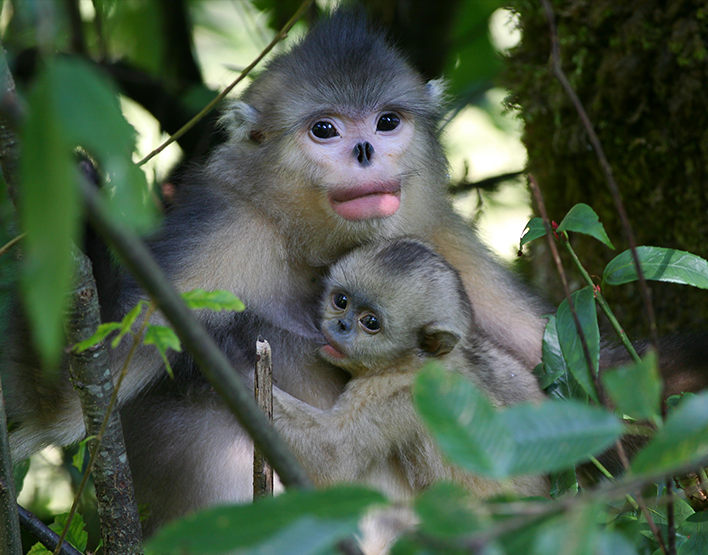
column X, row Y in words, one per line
column 354, row 331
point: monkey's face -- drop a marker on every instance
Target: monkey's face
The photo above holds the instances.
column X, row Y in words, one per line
column 360, row 160
column 355, row 332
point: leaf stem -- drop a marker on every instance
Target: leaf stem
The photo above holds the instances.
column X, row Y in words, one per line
column 600, row 299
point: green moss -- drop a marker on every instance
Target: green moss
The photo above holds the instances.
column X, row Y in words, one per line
column 641, row 70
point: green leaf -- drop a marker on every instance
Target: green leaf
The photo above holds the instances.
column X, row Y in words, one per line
column 614, row 543
column 583, row 219
column 127, row 322
column 555, row 435
column 695, row 529
column 554, row 365
column 163, row 338
column 445, row 510
column 103, row 331
column 84, row 97
column 213, row 300
column 658, row 264
column 575, row 533
column 81, row 454
column 76, row 535
column 463, row 421
column 19, row 473
column 329, row 514
column 49, row 210
column 525, row 439
column 636, row 389
column 533, row 230
column 683, row 440
column 584, row 303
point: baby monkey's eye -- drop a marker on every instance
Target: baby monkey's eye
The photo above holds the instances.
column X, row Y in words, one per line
column 340, row 301
column 388, row 122
column 370, row 323
column 324, row 130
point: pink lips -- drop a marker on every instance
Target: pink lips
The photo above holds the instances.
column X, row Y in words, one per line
column 332, row 352
column 368, row 200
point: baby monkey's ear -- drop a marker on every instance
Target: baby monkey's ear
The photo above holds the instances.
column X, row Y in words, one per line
column 438, row 339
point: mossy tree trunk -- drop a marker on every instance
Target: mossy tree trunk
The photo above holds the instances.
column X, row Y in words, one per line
column 640, row 68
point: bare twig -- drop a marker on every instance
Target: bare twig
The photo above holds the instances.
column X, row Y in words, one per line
column 209, row 107
column 263, row 385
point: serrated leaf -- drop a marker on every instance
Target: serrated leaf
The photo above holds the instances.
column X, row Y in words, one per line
column 163, row 338
column 213, row 300
column 584, row 303
column 126, row 324
column 463, row 421
column 658, row 264
column 555, row 435
column 636, row 389
column 103, row 331
column 49, row 210
column 76, row 535
column 227, row 528
column 583, row 219
column 533, row 230
column 683, row 439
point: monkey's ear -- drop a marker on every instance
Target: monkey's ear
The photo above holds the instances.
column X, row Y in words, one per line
column 437, row 89
column 241, row 122
column 438, row 339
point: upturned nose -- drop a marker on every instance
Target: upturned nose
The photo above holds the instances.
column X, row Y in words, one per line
column 343, row 325
column 363, row 152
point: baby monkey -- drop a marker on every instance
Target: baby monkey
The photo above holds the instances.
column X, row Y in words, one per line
column 388, row 309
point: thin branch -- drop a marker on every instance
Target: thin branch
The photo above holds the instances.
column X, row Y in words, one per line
column 488, row 184
column 11, row 243
column 212, row 362
column 46, row 536
column 209, row 107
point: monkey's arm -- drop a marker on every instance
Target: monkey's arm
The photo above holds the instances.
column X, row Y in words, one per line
column 355, row 437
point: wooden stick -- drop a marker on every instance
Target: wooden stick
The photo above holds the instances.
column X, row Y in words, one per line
column 263, row 389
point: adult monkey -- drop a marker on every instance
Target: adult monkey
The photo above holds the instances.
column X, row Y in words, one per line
column 334, row 145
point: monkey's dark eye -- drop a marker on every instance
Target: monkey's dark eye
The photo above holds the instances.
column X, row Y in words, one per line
column 388, row 122
column 324, row 130
column 340, row 301
column 370, row 323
